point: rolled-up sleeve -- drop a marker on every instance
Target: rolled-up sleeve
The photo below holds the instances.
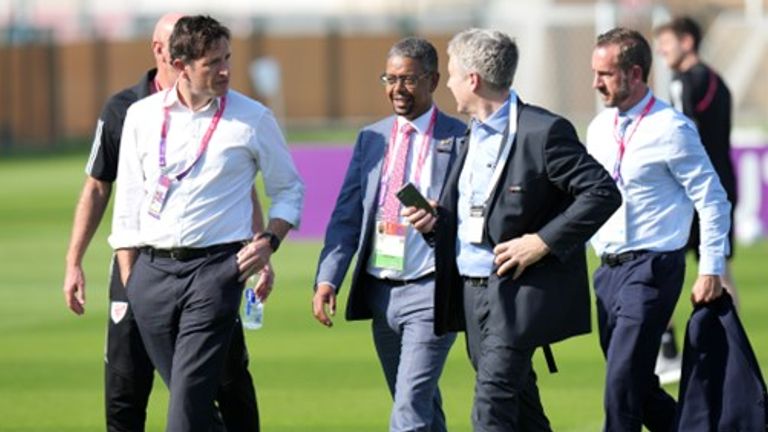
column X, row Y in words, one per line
column 129, row 195
column 282, row 183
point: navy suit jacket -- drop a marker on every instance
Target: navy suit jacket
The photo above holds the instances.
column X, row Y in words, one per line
column 721, row 388
column 350, row 231
column 551, row 186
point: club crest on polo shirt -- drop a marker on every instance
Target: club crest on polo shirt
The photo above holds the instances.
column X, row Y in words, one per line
column 117, row 311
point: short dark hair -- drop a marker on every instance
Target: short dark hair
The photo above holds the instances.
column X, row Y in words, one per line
column 418, row 49
column 193, row 36
column 681, row 26
column 634, row 50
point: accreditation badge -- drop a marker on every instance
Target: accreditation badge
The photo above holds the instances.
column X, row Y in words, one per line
column 389, row 246
column 614, row 230
column 475, row 224
column 159, row 197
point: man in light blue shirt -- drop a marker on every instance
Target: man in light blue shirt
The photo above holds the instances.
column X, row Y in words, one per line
column 485, row 140
column 517, row 208
column 658, row 162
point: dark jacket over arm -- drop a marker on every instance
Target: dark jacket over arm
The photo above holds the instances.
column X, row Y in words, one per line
column 721, row 388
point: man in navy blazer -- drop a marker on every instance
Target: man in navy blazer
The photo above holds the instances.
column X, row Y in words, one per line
column 518, row 207
column 393, row 280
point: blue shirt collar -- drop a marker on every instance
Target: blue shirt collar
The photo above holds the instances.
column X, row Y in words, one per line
column 638, row 107
column 499, row 120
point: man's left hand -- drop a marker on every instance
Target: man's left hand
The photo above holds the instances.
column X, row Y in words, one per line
column 253, row 257
column 266, row 281
column 707, row 288
column 519, row 253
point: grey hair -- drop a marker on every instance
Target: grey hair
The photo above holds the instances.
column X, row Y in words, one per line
column 490, row 53
column 418, row 49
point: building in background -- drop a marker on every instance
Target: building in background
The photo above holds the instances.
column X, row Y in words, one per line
column 83, row 50
column 60, row 59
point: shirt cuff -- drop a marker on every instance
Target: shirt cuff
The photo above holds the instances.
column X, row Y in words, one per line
column 335, row 289
column 286, row 212
column 712, row 265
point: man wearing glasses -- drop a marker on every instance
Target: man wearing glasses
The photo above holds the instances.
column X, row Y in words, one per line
column 393, row 280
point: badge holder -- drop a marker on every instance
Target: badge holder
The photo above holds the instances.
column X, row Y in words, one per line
column 389, row 246
column 159, row 197
column 475, row 224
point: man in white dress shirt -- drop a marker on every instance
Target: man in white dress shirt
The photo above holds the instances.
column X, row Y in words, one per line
column 656, row 158
column 183, row 214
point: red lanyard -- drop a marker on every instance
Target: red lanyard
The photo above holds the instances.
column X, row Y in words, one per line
column 706, row 101
column 424, row 151
column 203, row 143
column 622, row 141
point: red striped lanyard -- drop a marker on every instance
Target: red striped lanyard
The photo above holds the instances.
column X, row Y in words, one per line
column 622, row 141
column 706, row 101
column 424, row 151
column 203, row 143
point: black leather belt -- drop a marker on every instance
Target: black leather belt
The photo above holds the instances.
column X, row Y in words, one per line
column 185, row 254
column 409, row 281
column 476, row 282
column 613, row 260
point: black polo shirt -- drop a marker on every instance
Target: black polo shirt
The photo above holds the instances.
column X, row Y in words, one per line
column 102, row 163
column 707, row 101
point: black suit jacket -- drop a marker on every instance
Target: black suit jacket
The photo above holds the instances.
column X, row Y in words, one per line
column 549, row 186
column 721, row 388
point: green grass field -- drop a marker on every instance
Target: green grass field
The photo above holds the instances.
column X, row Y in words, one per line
column 308, row 378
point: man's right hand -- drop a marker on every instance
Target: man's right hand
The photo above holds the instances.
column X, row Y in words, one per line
column 125, row 260
column 324, row 296
column 90, row 209
column 422, row 220
column 74, row 289
column 266, row 281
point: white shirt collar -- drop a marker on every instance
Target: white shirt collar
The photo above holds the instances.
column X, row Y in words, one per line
column 420, row 123
column 171, row 99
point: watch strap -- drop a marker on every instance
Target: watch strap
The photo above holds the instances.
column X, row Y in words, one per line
column 274, row 240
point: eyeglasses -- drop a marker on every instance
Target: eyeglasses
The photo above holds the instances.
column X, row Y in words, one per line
column 407, row 80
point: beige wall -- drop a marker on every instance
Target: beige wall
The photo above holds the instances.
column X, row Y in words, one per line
column 54, row 92
column 26, row 88
column 77, row 79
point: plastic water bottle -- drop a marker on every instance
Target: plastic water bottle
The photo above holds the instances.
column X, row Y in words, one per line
column 253, row 309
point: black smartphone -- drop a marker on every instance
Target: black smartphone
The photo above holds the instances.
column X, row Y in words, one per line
column 411, row 197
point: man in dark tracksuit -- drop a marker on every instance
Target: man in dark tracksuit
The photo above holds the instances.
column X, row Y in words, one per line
column 700, row 93
column 128, row 372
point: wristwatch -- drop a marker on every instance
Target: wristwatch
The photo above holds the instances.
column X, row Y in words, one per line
column 274, row 240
